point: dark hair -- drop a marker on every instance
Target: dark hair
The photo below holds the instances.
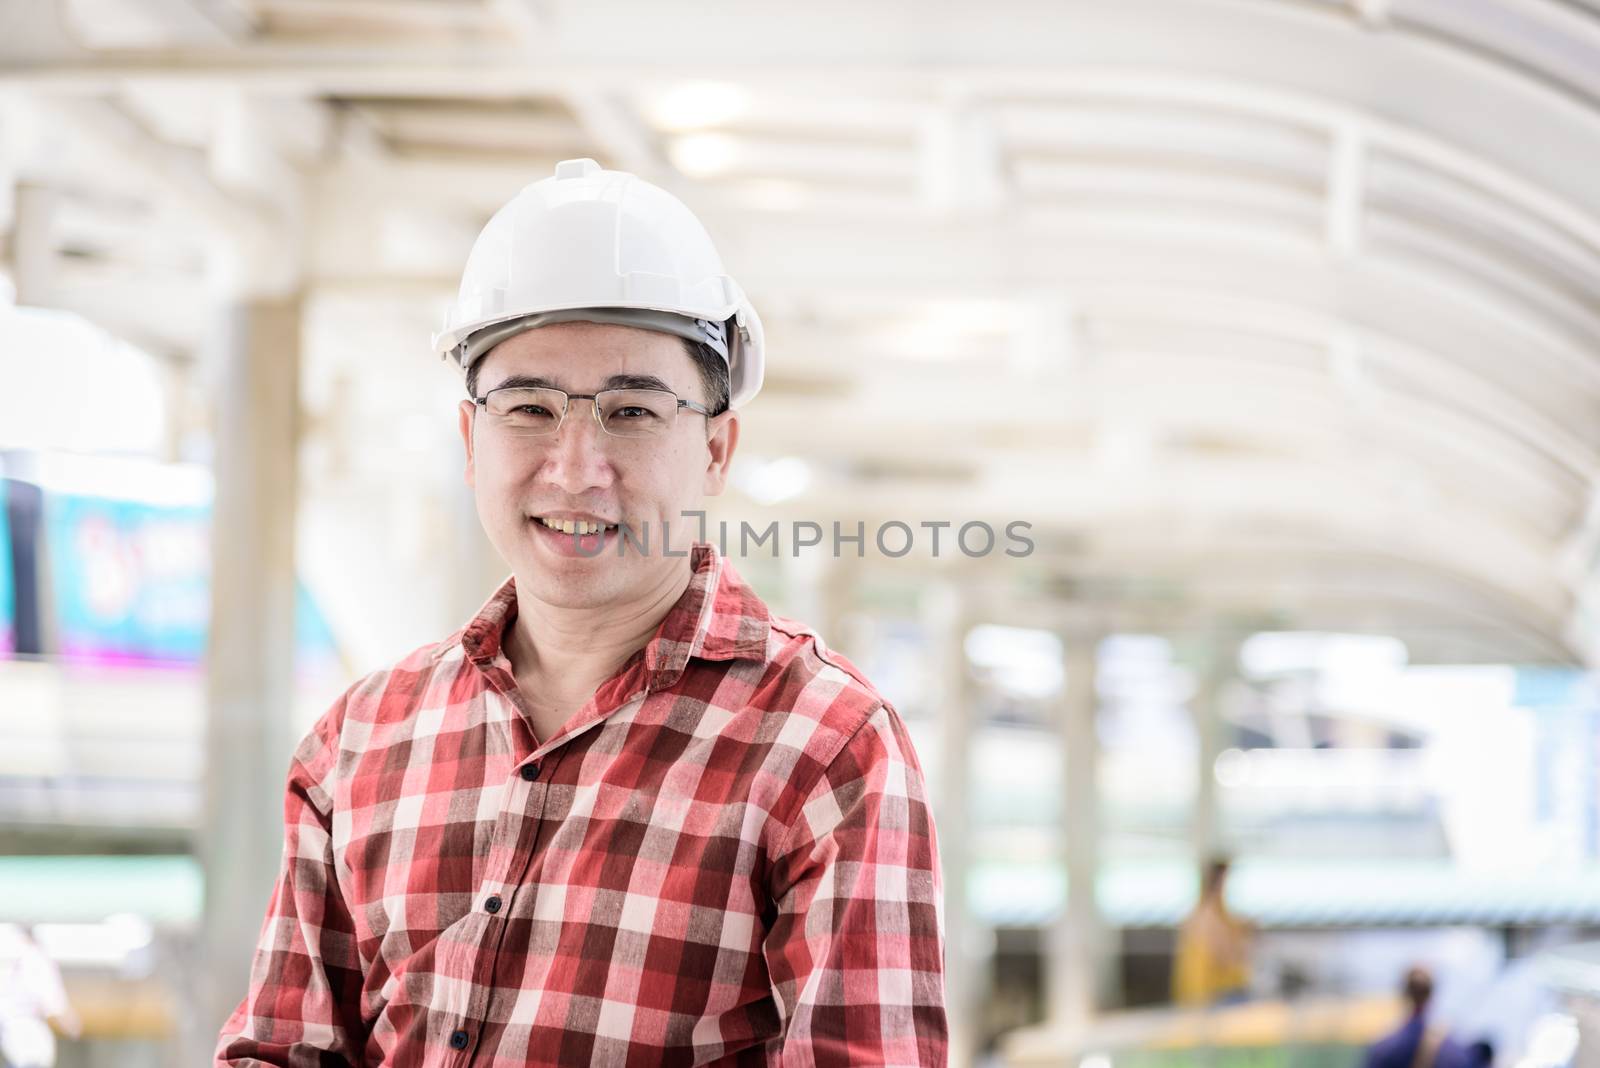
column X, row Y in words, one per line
column 1418, row 987
column 712, row 367
column 1216, row 871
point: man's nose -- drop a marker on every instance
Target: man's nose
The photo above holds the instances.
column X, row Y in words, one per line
column 577, row 458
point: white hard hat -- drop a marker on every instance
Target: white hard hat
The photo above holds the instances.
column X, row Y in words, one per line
column 589, row 238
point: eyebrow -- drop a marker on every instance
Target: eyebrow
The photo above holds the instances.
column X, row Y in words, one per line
column 614, row 382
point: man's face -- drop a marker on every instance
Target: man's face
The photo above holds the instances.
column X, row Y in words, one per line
column 583, row 471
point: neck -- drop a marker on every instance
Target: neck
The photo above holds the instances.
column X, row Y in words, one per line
column 576, row 649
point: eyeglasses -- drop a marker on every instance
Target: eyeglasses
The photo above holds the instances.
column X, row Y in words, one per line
column 529, row 411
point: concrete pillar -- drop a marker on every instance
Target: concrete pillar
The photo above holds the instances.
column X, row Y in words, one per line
column 33, row 244
column 251, row 656
column 1215, row 673
column 968, row 947
column 1076, row 946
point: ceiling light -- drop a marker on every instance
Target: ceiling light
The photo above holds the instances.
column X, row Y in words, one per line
column 704, row 155
column 698, row 105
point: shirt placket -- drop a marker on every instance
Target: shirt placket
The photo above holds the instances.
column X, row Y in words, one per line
column 513, row 847
column 511, row 850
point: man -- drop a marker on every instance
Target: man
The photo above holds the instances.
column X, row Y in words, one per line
column 1416, row 1045
column 625, row 815
column 1212, row 963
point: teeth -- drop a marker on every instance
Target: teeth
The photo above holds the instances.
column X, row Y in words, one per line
column 574, row 526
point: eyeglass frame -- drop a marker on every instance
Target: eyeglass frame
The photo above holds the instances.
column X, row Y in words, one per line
column 594, row 406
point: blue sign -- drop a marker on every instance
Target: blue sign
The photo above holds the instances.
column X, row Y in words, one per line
column 131, row 581
column 8, row 594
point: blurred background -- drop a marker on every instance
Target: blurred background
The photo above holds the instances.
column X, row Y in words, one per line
column 1276, row 319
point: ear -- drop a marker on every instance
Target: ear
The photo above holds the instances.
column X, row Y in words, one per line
column 721, row 441
column 469, row 412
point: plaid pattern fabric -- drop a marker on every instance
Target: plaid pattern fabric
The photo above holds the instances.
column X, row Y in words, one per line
column 725, row 857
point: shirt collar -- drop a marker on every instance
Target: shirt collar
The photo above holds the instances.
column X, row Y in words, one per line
column 718, row 617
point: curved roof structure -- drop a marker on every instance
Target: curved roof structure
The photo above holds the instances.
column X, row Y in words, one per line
column 1261, row 310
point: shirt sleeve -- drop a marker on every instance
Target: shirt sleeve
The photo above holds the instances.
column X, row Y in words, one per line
column 856, row 952
column 303, row 1003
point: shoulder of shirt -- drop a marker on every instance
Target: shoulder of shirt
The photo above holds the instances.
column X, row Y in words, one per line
column 809, row 679
column 832, row 713
column 795, row 631
column 798, row 648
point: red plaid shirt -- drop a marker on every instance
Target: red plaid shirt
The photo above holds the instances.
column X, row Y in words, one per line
column 726, row 856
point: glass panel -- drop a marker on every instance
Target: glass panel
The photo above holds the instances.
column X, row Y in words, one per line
column 533, row 411
column 637, row 412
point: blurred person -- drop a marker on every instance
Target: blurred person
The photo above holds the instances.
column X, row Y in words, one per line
column 33, row 1002
column 626, row 813
column 1414, row 1044
column 1211, row 965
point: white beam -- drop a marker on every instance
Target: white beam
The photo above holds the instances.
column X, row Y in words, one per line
column 435, row 15
column 121, row 299
column 1225, row 44
column 1346, row 166
column 1445, row 372
column 1239, row 184
column 244, row 157
column 113, row 24
column 1372, row 13
column 530, row 18
column 620, row 134
column 33, row 255
column 959, row 163
column 603, row 114
column 173, row 172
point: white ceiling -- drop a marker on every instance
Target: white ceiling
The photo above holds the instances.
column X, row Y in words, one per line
column 1257, row 309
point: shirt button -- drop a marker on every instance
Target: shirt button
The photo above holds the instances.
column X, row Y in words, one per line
column 492, row 905
column 458, row 1040
column 530, row 772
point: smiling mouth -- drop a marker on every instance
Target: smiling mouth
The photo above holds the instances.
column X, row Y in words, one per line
column 576, row 526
